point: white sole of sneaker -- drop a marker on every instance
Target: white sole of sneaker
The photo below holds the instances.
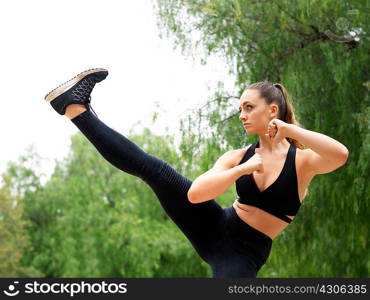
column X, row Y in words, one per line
column 70, row 83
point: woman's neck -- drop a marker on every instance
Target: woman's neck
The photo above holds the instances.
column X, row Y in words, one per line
column 267, row 145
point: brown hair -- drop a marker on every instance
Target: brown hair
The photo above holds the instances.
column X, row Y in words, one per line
column 277, row 93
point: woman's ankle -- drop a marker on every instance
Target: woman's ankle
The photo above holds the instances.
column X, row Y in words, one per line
column 73, row 110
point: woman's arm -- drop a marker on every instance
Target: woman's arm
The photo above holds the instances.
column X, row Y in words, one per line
column 217, row 180
column 324, row 155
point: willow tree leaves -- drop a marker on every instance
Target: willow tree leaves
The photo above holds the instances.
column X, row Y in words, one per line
column 320, row 51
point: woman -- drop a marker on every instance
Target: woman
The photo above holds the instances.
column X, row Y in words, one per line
column 271, row 175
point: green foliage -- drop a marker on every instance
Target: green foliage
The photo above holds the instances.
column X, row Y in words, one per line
column 308, row 47
column 91, row 219
column 14, row 242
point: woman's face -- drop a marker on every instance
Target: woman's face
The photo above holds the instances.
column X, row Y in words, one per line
column 255, row 114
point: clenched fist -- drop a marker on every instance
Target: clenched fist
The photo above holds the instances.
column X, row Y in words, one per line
column 255, row 163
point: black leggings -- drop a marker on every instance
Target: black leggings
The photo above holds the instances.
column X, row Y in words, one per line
column 230, row 246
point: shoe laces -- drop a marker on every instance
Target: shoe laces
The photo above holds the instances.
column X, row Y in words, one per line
column 90, row 107
column 82, row 92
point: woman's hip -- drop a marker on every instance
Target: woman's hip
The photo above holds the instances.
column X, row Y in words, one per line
column 245, row 239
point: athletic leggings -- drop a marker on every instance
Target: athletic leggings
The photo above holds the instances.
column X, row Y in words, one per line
column 230, row 246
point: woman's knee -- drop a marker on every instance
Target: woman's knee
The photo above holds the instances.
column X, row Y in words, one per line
column 174, row 180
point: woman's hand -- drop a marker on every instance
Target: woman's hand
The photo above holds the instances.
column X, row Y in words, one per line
column 276, row 130
column 255, row 163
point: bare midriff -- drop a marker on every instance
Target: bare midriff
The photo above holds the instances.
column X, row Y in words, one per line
column 260, row 219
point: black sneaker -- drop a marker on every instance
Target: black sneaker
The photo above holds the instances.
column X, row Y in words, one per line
column 76, row 91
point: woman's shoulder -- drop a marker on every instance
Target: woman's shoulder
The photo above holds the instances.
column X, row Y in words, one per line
column 236, row 155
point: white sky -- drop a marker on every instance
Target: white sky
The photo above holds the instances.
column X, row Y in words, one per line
column 44, row 43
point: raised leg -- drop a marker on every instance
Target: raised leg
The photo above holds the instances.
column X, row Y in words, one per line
column 199, row 222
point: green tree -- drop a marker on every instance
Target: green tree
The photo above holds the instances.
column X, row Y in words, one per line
column 319, row 51
column 90, row 219
column 14, row 240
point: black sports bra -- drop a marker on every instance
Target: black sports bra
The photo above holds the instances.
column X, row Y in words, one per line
column 281, row 198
